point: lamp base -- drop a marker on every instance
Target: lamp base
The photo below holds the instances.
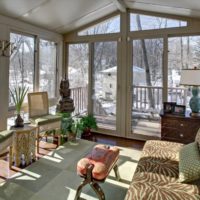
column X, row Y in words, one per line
column 195, row 101
column 192, row 114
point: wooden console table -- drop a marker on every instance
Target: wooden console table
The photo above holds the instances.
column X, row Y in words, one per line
column 24, row 144
column 177, row 128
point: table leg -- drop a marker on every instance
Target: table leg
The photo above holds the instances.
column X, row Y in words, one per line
column 17, row 158
column 116, row 170
column 38, row 139
column 10, row 157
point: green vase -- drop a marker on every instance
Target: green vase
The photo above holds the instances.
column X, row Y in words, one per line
column 195, row 100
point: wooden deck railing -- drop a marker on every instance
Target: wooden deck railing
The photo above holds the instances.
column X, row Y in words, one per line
column 141, row 100
column 79, row 95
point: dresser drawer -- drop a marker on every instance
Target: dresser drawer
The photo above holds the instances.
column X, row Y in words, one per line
column 166, row 122
column 176, row 123
column 173, row 133
column 179, row 128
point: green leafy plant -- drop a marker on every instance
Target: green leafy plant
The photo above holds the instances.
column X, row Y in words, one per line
column 70, row 124
column 76, row 127
column 66, row 123
column 88, row 122
column 18, row 94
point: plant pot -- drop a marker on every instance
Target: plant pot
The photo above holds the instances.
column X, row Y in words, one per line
column 86, row 134
column 19, row 122
column 64, row 139
column 72, row 139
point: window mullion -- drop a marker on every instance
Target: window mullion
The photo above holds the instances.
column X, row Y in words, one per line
column 36, row 69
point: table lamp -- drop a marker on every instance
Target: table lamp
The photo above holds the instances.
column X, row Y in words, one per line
column 191, row 77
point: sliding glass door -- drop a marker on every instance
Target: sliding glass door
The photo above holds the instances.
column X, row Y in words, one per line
column 104, row 84
column 78, row 71
column 147, row 86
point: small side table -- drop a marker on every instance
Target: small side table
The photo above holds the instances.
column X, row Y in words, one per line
column 24, row 143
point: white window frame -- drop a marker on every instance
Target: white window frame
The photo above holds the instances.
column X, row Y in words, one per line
column 52, row 101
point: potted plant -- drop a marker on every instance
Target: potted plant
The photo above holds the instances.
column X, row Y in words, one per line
column 87, row 122
column 70, row 127
column 76, row 130
column 18, row 94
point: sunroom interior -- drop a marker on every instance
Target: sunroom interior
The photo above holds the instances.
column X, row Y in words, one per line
column 123, row 59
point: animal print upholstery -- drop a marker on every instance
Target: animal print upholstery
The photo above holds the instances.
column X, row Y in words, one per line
column 197, row 138
column 157, row 175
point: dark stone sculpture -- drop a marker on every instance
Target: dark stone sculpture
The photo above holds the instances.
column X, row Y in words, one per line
column 66, row 103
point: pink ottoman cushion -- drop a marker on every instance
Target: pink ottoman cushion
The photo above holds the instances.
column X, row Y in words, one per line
column 102, row 157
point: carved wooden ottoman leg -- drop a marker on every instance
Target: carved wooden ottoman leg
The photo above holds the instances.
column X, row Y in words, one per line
column 98, row 190
column 96, row 166
column 78, row 192
column 116, row 170
column 87, row 179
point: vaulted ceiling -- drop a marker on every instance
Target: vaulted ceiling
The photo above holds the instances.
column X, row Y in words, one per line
column 65, row 15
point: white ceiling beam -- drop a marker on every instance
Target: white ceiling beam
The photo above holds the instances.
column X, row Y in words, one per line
column 120, row 4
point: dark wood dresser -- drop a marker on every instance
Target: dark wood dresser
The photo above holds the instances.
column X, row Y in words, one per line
column 181, row 129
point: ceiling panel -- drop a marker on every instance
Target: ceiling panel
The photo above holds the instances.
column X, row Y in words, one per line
column 58, row 13
column 66, row 15
column 189, row 8
column 92, row 16
column 189, row 4
column 16, row 8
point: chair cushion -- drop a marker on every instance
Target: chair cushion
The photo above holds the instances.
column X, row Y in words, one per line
column 42, row 120
column 189, row 163
column 103, row 158
column 4, row 135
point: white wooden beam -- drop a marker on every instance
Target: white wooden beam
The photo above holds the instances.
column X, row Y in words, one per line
column 120, row 4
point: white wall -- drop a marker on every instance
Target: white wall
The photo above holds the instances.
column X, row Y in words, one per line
column 6, row 26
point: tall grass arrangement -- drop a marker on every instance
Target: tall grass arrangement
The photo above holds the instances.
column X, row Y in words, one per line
column 18, row 94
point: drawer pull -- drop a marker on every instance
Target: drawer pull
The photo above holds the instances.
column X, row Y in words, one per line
column 181, row 135
column 182, row 125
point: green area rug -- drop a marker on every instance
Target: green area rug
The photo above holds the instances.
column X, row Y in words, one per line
column 54, row 176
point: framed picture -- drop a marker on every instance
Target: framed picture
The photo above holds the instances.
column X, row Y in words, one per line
column 169, row 107
column 179, row 110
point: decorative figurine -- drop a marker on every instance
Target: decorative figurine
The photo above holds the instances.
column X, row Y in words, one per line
column 66, row 103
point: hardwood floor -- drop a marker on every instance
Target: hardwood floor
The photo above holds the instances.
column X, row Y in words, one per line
column 45, row 148
column 118, row 141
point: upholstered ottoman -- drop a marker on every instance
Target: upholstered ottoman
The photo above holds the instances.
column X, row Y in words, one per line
column 96, row 166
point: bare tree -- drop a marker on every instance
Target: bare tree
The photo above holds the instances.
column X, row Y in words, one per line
column 146, row 64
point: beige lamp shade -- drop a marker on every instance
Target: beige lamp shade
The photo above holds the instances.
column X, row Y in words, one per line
column 190, row 77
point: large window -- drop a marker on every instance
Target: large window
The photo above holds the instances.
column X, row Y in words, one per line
column 48, row 67
column 21, row 71
column 128, row 79
column 145, row 22
column 184, row 53
column 111, row 25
